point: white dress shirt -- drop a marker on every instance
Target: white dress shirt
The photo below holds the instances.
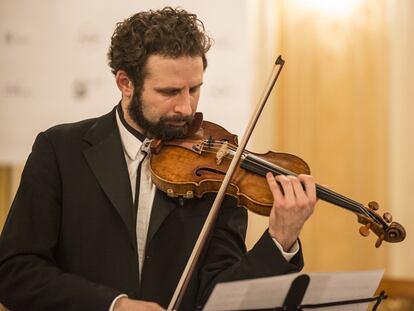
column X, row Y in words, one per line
column 136, row 151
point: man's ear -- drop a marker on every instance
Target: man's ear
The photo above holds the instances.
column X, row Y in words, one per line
column 125, row 85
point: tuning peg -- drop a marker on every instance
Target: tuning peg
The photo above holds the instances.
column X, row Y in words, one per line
column 379, row 241
column 387, row 217
column 373, row 205
column 364, row 230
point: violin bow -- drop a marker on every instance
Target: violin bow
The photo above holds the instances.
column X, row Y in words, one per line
column 212, row 215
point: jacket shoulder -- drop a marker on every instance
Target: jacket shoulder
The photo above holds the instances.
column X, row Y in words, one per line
column 99, row 126
column 69, row 129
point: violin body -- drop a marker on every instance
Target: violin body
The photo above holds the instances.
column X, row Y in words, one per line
column 181, row 170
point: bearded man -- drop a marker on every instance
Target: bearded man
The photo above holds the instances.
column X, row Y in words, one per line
column 88, row 230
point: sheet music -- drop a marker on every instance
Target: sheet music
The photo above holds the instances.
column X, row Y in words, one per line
column 270, row 292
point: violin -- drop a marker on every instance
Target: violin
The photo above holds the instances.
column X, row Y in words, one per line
column 194, row 165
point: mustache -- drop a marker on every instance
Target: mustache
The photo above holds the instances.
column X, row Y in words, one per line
column 178, row 118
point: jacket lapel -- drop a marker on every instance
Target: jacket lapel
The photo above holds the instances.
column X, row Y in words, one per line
column 161, row 208
column 107, row 161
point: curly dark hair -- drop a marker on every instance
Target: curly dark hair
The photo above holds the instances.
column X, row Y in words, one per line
column 167, row 32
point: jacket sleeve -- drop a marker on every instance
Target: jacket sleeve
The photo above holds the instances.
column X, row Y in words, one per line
column 226, row 258
column 30, row 277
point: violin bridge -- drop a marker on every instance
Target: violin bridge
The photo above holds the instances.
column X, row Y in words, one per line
column 197, row 148
column 221, row 153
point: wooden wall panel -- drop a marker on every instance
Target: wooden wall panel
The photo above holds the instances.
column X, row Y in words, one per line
column 5, row 189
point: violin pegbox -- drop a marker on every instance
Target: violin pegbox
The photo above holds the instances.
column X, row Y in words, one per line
column 383, row 227
column 364, row 230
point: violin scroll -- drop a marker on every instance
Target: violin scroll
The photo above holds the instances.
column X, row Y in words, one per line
column 384, row 228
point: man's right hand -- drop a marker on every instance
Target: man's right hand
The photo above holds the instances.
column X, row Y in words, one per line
column 126, row 304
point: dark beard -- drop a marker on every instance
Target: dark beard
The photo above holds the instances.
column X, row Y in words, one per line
column 160, row 129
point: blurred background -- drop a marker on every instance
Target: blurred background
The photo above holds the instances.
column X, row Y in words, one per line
column 343, row 103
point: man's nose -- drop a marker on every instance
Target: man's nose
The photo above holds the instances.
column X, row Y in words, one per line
column 183, row 105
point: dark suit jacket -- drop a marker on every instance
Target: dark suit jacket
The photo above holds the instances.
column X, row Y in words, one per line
column 69, row 241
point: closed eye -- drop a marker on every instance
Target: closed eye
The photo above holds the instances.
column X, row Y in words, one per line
column 169, row 92
column 175, row 91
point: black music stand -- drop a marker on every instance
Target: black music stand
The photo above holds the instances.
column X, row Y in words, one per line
column 294, row 297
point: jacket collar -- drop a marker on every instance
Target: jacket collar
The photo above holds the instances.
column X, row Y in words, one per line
column 107, row 161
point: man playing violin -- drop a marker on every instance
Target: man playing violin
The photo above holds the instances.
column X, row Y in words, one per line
column 88, row 230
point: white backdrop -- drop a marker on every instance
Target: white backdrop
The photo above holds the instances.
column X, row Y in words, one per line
column 53, row 66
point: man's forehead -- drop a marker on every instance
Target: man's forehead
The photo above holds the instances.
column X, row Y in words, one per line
column 159, row 66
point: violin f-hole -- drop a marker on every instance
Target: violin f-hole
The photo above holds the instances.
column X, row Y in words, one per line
column 200, row 171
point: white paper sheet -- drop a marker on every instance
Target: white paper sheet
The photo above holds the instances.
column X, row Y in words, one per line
column 270, row 292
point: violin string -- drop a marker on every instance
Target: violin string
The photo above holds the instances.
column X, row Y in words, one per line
column 217, row 145
column 357, row 207
column 283, row 171
column 215, row 149
column 326, row 193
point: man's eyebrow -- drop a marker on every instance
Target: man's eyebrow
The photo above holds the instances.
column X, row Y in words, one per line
column 198, row 85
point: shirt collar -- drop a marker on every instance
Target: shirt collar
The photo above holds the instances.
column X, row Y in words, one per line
column 131, row 143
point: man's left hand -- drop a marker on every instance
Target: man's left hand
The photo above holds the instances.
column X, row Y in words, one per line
column 294, row 200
